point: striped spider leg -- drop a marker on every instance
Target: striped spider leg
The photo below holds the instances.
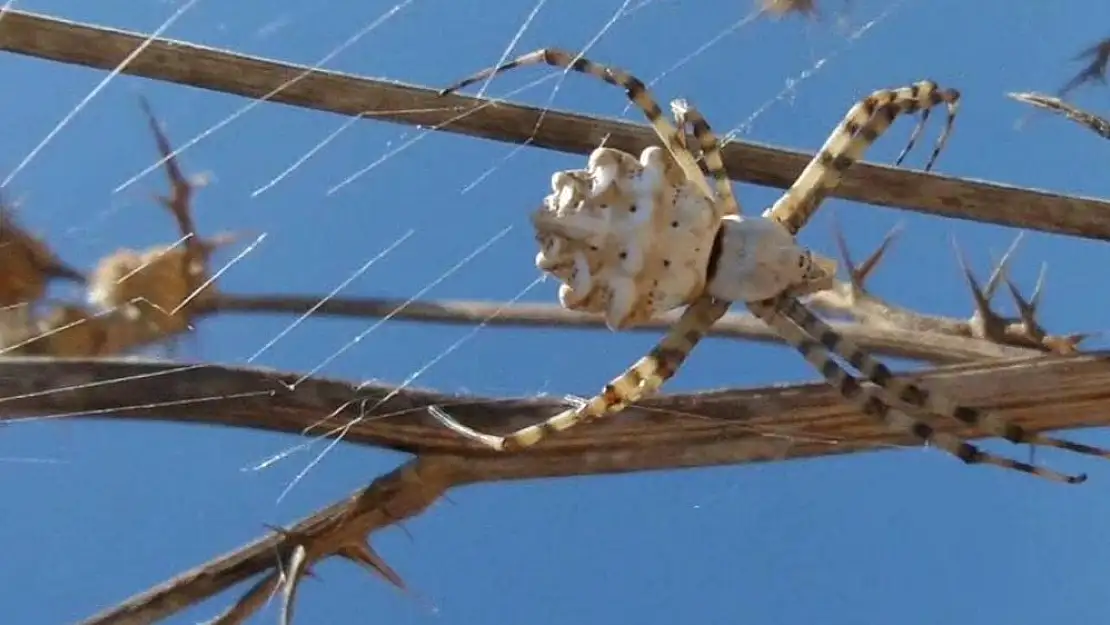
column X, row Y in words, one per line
column 861, row 127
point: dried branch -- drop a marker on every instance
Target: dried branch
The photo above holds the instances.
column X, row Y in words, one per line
column 881, row 339
column 1095, row 71
column 189, row 64
column 667, row 432
column 1092, row 122
column 851, row 299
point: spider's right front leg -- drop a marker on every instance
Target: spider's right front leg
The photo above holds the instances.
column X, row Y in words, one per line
column 641, row 380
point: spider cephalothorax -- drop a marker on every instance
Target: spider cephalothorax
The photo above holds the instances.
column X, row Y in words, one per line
column 631, row 238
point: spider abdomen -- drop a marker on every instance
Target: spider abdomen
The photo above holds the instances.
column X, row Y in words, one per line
column 628, row 238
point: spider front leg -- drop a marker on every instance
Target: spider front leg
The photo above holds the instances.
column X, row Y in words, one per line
column 817, row 353
column 710, row 149
column 634, row 88
column 864, row 124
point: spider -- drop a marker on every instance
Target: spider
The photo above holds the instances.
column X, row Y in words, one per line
column 632, row 238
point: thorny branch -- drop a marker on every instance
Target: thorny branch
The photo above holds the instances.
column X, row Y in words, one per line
column 1092, row 122
column 219, row 70
column 667, row 432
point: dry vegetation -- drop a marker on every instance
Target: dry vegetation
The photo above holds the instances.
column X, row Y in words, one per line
column 140, row 298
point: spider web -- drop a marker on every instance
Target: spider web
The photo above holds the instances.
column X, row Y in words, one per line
column 437, row 217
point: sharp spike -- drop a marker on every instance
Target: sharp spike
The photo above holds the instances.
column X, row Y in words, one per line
column 982, row 303
column 1035, row 299
column 1026, row 311
column 845, row 255
column 249, row 603
column 298, row 563
column 1002, row 266
column 362, row 554
column 873, row 260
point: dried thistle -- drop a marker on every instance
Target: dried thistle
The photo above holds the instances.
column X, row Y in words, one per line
column 806, row 8
column 780, row 8
column 28, row 264
column 70, row 331
column 163, row 285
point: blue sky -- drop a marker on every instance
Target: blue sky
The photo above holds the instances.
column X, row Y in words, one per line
column 909, row 537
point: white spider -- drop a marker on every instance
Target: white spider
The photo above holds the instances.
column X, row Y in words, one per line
column 631, row 238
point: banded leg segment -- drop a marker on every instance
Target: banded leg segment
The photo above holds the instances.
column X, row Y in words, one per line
column 867, row 399
column 641, row 380
column 916, row 396
column 634, row 88
column 710, row 148
column 864, row 124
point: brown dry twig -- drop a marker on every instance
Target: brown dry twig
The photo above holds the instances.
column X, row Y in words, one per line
column 1092, row 122
column 1095, row 71
column 137, row 297
column 164, row 284
column 852, row 299
column 186, row 63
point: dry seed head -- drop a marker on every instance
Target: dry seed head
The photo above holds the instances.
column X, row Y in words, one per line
column 70, row 331
column 807, row 8
column 151, row 285
column 27, row 263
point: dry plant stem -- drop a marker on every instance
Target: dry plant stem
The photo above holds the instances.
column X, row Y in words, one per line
column 853, row 300
column 395, row 496
column 667, row 432
column 1090, row 121
column 189, row 64
column 1054, row 392
column 890, row 341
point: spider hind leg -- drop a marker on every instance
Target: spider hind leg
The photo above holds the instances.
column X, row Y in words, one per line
column 868, row 400
column 922, row 398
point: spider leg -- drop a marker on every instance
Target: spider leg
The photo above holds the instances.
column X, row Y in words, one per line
column 639, row 381
column 635, row 89
column 863, row 125
column 710, row 148
column 866, row 399
column 916, row 396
